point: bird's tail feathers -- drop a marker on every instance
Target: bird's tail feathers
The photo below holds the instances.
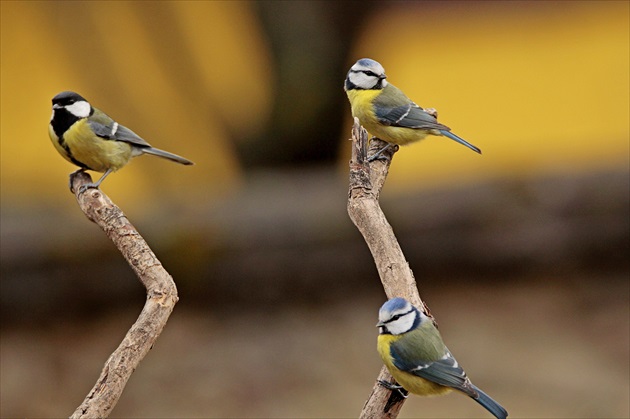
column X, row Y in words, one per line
column 166, row 155
column 460, row 140
column 491, row 406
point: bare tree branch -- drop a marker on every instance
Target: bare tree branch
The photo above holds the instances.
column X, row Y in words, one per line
column 366, row 181
column 161, row 299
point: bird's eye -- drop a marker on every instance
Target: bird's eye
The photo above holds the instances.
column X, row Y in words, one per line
column 396, row 317
column 370, row 73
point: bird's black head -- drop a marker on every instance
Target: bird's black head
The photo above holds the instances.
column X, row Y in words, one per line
column 68, row 108
column 64, row 99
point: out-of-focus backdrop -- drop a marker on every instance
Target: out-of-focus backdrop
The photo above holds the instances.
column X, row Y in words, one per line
column 521, row 253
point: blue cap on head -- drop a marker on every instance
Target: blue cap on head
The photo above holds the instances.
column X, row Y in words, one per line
column 368, row 62
column 397, row 303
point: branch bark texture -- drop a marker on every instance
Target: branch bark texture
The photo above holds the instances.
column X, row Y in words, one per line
column 161, row 298
column 366, row 181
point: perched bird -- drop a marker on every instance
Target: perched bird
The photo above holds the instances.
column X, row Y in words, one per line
column 385, row 111
column 413, row 351
column 87, row 137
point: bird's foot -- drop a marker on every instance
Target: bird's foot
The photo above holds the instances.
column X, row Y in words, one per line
column 379, row 154
column 87, row 186
column 394, row 387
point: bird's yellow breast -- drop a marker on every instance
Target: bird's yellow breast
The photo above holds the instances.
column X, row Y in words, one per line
column 361, row 102
column 96, row 153
column 361, row 105
column 410, row 382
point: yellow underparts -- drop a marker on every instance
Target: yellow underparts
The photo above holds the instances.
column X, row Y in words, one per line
column 362, row 108
column 94, row 152
column 410, row 382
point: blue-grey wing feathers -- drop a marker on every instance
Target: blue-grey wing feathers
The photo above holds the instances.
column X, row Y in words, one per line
column 446, row 372
column 103, row 131
column 125, row 134
column 117, row 132
column 393, row 108
column 407, row 116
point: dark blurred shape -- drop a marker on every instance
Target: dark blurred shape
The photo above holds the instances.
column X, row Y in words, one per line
column 286, row 239
column 310, row 54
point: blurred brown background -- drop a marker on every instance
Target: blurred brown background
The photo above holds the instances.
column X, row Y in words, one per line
column 521, row 254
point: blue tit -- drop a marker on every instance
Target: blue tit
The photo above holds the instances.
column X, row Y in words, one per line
column 87, row 137
column 386, row 112
column 413, row 351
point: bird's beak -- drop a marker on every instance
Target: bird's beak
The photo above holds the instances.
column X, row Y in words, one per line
column 382, row 77
column 380, row 324
column 57, row 106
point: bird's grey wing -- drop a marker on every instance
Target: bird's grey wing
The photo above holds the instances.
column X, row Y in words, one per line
column 102, row 130
column 114, row 131
column 409, row 115
column 125, row 134
column 444, row 371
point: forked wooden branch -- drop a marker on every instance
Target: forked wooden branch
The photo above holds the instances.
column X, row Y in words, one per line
column 366, row 181
column 161, row 299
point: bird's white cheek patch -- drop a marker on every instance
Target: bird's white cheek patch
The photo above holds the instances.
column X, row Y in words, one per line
column 362, row 80
column 80, row 109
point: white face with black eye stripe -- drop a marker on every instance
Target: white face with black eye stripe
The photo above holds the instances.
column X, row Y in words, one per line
column 367, row 74
column 398, row 317
column 71, row 103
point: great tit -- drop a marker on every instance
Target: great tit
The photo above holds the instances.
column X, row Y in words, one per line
column 89, row 138
column 413, row 351
column 385, row 111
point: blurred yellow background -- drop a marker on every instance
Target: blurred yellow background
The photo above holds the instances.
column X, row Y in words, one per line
column 539, row 87
column 521, row 252
column 149, row 66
